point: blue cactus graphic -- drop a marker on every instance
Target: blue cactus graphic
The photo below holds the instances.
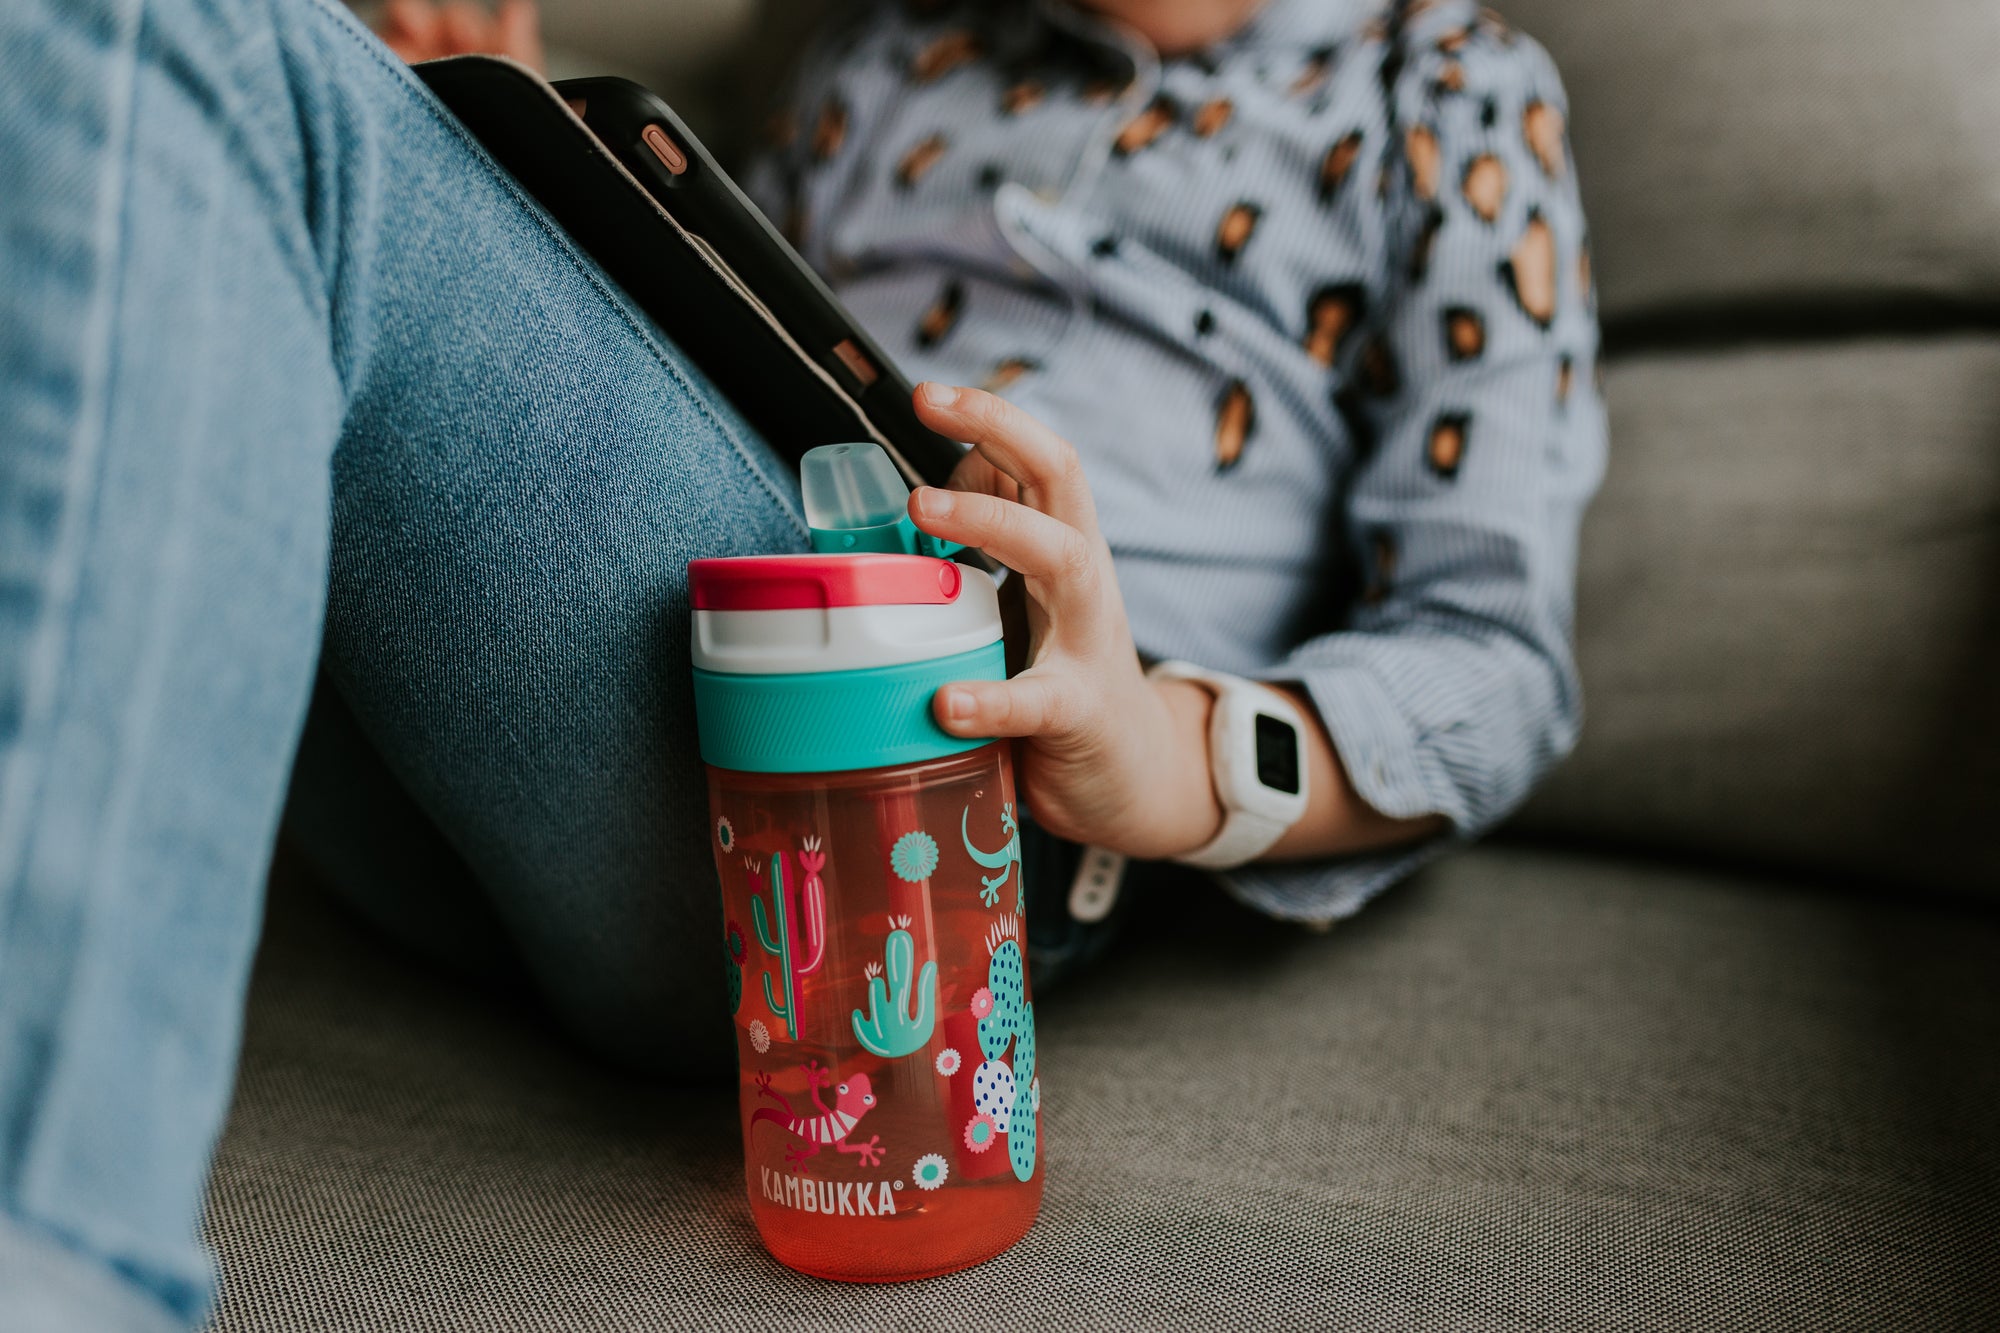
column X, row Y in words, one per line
column 1012, row 1019
column 894, row 1030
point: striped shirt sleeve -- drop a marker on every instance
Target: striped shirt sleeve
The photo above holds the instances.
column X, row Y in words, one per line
column 1451, row 688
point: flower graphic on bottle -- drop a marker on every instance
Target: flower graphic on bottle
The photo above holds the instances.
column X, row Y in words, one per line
column 914, row 857
column 948, row 1061
column 982, row 1002
column 930, row 1171
column 725, row 834
column 980, row 1131
column 760, row 1036
column 733, row 937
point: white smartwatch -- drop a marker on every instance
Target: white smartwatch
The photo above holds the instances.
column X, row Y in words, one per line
column 1257, row 759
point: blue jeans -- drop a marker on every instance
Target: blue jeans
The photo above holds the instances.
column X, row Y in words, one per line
column 281, row 349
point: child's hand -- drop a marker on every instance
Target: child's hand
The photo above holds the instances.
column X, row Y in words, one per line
column 426, row 30
column 1107, row 757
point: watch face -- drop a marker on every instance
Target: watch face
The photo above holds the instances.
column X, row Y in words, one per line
column 1277, row 754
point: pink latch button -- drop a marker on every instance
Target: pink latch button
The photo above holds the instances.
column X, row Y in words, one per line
column 796, row 582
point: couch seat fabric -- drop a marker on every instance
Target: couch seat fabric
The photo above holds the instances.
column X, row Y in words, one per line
column 1530, row 1089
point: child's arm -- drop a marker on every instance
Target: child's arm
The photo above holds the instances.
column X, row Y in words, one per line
column 1451, row 688
column 1110, row 757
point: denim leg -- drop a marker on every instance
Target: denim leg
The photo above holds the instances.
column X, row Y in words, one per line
column 168, row 403
column 237, row 236
column 516, row 497
column 348, row 818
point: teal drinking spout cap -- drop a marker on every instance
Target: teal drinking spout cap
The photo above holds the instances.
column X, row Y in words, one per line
column 856, row 501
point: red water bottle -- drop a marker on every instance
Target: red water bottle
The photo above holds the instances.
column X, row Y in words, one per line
column 872, row 894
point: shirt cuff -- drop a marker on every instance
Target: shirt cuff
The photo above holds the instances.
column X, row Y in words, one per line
column 1375, row 741
column 1320, row 893
column 1378, row 748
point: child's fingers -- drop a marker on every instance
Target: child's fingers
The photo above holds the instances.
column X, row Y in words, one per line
column 975, row 472
column 1041, row 461
column 417, row 19
column 467, row 28
column 413, row 29
column 1050, row 554
column 1028, row 705
column 407, row 50
column 518, row 26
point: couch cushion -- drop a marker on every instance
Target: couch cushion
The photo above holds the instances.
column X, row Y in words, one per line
column 1525, row 1090
column 1737, row 148
column 1789, row 616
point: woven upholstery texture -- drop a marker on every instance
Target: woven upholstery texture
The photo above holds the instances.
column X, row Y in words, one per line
column 1789, row 612
column 1530, row 1089
column 1733, row 150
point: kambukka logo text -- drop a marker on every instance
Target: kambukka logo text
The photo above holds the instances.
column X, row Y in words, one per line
column 846, row 1199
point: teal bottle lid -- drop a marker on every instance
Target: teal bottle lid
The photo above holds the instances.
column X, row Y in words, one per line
column 834, row 721
column 826, row 663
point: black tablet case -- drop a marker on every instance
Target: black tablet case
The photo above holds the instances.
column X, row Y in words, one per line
column 793, row 402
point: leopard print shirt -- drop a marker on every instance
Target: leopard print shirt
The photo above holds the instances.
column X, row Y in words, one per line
column 1315, row 306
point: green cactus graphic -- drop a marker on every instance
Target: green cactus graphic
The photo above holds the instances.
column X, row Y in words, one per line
column 893, row 1030
column 795, row 931
column 733, row 952
column 1012, row 1019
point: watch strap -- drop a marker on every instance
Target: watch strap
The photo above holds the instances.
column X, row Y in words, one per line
column 1245, row 835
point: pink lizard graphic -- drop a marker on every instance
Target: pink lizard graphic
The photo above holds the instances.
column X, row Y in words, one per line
column 852, row 1100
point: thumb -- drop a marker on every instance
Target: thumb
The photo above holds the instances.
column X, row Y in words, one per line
column 1028, row 705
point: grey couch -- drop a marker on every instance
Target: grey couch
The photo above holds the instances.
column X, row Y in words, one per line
column 1709, row 1038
